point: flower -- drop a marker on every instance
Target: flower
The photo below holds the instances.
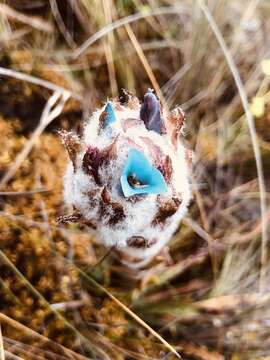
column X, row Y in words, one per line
column 129, row 153
column 140, row 177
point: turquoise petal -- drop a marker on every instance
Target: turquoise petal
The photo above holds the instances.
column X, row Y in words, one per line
column 110, row 116
column 151, row 179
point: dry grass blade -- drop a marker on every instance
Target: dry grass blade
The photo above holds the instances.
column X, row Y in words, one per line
column 24, row 193
column 146, row 65
column 32, row 352
column 11, row 356
column 175, row 270
column 33, row 21
column 37, row 336
column 200, row 353
column 37, row 81
column 124, row 21
column 2, row 351
column 169, row 89
column 61, row 24
column 226, row 303
column 210, row 241
column 249, row 235
column 109, row 45
column 53, row 108
column 15, row 35
column 25, row 220
column 131, row 313
column 254, row 139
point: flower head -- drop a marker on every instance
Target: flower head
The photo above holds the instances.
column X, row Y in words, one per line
column 135, row 148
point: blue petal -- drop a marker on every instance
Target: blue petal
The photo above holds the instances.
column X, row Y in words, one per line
column 110, row 116
column 138, row 166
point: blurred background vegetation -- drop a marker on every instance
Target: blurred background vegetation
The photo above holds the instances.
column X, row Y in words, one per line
column 62, row 295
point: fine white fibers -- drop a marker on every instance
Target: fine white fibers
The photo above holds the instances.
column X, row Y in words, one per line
column 142, row 224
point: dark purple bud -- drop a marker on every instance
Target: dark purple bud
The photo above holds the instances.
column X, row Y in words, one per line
column 150, row 113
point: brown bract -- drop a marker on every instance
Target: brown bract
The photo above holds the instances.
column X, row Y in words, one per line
column 128, row 99
column 72, row 143
column 140, row 242
column 76, row 217
column 165, row 167
column 102, row 119
column 176, row 120
column 166, row 209
column 94, row 158
column 108, row 208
